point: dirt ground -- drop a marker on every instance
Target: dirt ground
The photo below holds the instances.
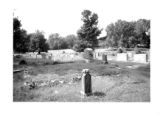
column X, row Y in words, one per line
column 113, row 82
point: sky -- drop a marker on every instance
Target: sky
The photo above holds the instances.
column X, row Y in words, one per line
column 64, row 16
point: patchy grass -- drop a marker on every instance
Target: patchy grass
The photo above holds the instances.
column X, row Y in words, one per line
column 110, row 82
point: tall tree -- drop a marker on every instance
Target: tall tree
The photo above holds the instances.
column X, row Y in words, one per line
column 129, row 34
column 142, row 29
column 55, row 41
column 120, row 32
column 38, row 42
column 89, row 30
column 20, row 37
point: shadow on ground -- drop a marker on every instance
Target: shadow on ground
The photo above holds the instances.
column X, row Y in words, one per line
column 99, row 94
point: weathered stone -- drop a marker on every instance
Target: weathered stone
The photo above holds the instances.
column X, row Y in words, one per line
column 26, row 73
column 86, row 83
column 141, row 58
column 104, row 59
column 122, row 57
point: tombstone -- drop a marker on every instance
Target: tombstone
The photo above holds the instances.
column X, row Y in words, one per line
column 39, row 52
column 43, row 56
column 104, row 59
column 25, row 74
column 86, row 83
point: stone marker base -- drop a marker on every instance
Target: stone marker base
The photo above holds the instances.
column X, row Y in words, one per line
column 84, row 94
column 141, row 58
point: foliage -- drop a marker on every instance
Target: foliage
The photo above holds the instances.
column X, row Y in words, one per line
column 89, row 30
column 119, row 32
column 88, row 54
column 71, row 40
column 80, row 46
column 55, row 41
column 137, row 50
column 16, row 24
column 141, row 29
column 38, row 42
column 119, row 50
column 128, row 34
column 20, row 37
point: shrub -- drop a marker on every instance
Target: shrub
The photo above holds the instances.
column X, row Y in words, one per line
column 22, row 62
column 88, row 54
column 119, row 50
column 137, row 51
column 80, row 46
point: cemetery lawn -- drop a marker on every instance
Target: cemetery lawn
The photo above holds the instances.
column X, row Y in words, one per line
column 113, row 82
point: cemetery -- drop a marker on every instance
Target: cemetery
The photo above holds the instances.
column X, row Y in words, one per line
column 86, row 67
column 73, row 79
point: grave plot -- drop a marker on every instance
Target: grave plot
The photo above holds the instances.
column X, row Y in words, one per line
column 65, row 83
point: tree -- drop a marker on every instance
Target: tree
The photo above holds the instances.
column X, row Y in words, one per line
column 38, row 42
column 52, row 41
column 55, row 42
column 112, row 38
column 16, row 24
column 20, row 37
column 142, row 28
column 71, row 40
column 132, row 42
column 80, row 46
column 119, row 33
column 128, row 34
column 89, row 31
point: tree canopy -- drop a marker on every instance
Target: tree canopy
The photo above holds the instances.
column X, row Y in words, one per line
column 128, row 34
column 89, row 31
column 20, row 37
column 38, row 42
column 55, row 42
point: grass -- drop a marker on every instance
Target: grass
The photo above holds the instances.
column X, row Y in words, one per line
column 109, row 83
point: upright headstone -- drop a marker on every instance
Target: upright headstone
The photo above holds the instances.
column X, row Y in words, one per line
column 104, row 59
column 86, row 83
column 25, row 74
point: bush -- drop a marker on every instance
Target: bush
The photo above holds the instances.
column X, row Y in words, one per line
column 88, row 54
column 80, row 46
column 22, row 62
column 119, row 50
column 137, row 51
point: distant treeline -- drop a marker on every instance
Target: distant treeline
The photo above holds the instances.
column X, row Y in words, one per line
column 119, row 34
column 128, row 34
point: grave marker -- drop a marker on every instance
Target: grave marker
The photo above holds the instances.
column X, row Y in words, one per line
column 104, row 59
column 86, row 83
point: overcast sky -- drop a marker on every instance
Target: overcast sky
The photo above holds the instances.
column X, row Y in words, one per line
column 64, row 16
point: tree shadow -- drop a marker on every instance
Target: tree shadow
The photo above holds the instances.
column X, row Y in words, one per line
column 98, row 94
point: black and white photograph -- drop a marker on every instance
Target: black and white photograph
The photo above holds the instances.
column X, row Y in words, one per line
column 80, row 57
column 80, row 53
